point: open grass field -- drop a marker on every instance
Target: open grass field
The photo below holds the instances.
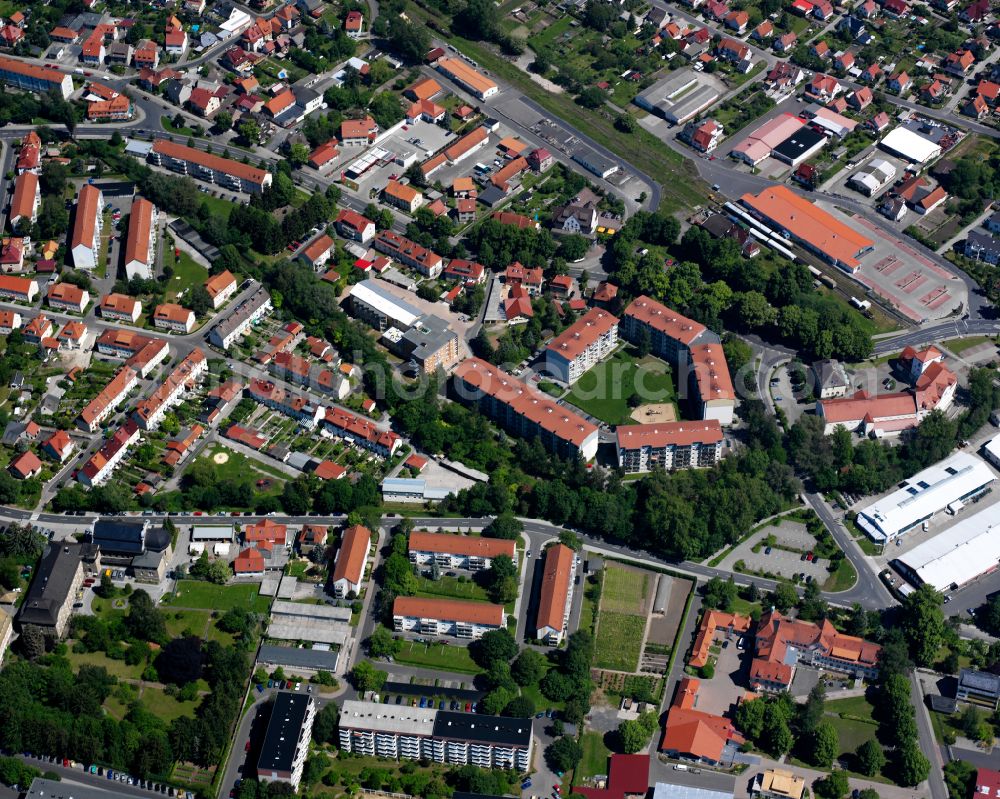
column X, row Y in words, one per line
column 119, row 668
column 218, row 205
column 450, row 588
column 624, row 590
column 188, row 273
column 208, row 596
column 842, row 579
column 960, row 345
column 619, row 641
column 855, row 730
column 166, row 707
column 438, row 656
column 604, row 391
column 595, row 757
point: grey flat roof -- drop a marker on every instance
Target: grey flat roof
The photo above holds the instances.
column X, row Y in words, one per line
column 310, row 611
column 317, row 659
column 426, row 337
column 212, row 532
column 593, row 160
column 679, row 96
column 398, row 719
column 315, row 632
column 664, row 790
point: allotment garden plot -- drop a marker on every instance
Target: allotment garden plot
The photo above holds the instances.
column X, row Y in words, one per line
column 621, row 620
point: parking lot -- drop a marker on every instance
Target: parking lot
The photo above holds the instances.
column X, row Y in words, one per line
column 913, row 284
column 787, row 556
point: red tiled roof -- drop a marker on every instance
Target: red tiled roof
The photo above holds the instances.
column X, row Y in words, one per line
column 352, row 554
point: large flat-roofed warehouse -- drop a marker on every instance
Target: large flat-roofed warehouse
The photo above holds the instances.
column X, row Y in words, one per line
column 955, row 479
column 956, row 556
column 809, row 225
column 678, row 97
column 910, row 146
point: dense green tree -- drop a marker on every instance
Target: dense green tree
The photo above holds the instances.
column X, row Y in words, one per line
column 528, row 667
column 824, row 745
column 922, row 623
column 720, row 594
column 833, row 786
column 493, row 646
column 365, row 677
column 563, row 754
column 870, row 758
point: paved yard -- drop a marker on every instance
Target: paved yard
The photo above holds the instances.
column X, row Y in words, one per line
column 720, row 694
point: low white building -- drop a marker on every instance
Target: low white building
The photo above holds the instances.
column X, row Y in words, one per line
column 957, row 478
column 454, row 617
column 957, row 555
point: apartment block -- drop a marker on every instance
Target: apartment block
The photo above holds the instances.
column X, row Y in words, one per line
column 363, row 432
column 26, row 200
column 141, row 353
column 110, row 397
column 34, row 78
column 150, row 412
column 173, row 317
column 582, row 345
column 85, row 240
column 121, row 308
column 441, row 736
column 668, row 445
column 140, row 244
column 102, row 463
column 67, row 297
column 409, row 253
column 210, row 168
column 286, row 742
column 557, row 594
column 455, row 617
column 352, row 557
column 240, row 319
column 669, row 334
column 220, row 288
column 18, row 288
column 524, row 411
column 457, row 551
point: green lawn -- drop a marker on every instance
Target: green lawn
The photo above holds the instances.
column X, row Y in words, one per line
column 166, row 707
column 619, row 641
column 544, row 40
column 197, row 594
column 168, row 124
column 842, row 579
column 188, row 273
column 180, row 620
column 438, row 656
column 450, row 588
column 605, row 390
column 116, row 667
column 218, row 205
column 595, row 757
column 858, row 727
column 238, row 465
column 623, row 592
column 960, row 345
